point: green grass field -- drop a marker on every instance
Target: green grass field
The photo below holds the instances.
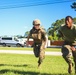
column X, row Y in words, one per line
column 26, row 48
column 18, row 64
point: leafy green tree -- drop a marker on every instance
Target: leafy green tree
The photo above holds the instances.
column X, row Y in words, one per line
column 54, row 27
column 73, row 6
column 50, row 37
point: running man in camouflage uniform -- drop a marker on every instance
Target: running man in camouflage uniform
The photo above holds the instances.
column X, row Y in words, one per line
column 38, row 35
column 68, row 33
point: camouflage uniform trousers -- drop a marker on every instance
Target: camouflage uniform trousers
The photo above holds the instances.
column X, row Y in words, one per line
column 66, row 53
column 39, row 52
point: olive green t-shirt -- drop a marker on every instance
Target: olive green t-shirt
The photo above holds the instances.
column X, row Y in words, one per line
column 68, row 34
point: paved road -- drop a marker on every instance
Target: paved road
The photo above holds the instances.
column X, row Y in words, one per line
column 29, row 52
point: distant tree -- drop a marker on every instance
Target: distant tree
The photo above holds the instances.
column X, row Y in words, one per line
column 19, row 36
column 26, row 33
column 54, row 27
column 73, row 6
column 50, row 37
column 74, row 20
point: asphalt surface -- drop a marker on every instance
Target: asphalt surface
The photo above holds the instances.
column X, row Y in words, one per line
column 29, row 52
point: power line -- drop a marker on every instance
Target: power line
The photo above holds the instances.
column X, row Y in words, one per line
column 33, row 3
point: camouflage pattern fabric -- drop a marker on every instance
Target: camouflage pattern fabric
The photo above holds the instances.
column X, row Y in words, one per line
column 66, row 53
column 39, row 51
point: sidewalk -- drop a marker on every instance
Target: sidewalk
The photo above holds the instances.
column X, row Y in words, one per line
column 29, row 52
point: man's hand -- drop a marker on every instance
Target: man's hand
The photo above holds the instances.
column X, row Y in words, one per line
column 73, row 48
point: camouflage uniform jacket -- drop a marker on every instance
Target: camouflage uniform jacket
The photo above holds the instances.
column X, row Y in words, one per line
column 37, row 35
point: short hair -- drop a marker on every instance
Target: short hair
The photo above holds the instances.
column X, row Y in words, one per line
column 67, row 18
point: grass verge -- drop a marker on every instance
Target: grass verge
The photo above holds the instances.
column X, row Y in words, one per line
column 18, row 64
column 26, row 48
